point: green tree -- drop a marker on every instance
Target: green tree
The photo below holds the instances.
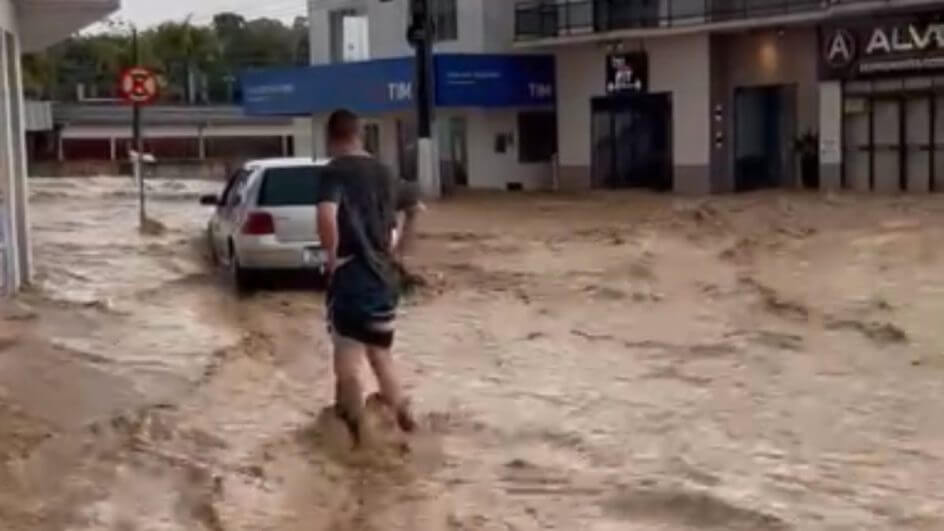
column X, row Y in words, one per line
column 198, row 63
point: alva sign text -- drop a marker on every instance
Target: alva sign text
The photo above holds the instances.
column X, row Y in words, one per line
column 904, row 39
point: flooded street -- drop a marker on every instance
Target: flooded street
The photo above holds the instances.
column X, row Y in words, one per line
column 618, row 361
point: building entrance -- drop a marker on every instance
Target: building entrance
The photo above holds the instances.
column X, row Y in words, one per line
column 894, row 142
column 632, row 141
column 765, row 126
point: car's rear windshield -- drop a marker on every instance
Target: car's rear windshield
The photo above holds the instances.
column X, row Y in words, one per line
column 296, row 186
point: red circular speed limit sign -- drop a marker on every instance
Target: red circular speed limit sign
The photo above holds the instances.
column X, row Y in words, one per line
column 138, row 85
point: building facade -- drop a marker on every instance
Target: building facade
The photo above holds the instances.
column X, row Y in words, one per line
column 494, row 116
column 198, row 141
column 723, row 96
column 27, row 25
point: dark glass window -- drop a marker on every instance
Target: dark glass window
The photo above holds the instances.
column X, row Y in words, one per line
column 537, row 136
column 289, row 187
column 446, row 19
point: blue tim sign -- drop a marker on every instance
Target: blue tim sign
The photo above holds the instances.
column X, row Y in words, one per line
column 368, row 87
column 387, row 85
column 494, row 80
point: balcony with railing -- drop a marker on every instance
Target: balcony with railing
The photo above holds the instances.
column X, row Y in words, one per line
column 545, row 19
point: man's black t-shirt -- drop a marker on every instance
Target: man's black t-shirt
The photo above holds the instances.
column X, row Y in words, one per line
column 367, row 197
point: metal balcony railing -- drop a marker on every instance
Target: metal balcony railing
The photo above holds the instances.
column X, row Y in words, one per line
column 542, row 19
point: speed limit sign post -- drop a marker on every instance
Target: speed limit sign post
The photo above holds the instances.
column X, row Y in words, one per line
column 138, row 86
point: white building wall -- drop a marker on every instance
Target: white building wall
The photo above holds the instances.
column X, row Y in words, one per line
column 487, row 168
column 485, row 26
column 302, row 133
column 14, row 221
column 491, row 170
column 7, row 16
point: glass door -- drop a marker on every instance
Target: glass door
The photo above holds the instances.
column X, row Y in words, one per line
column 918, row 143
column 887, row 154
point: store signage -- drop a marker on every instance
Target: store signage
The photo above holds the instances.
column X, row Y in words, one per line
column 383, row 85
column 897, row 46
column 627, row 72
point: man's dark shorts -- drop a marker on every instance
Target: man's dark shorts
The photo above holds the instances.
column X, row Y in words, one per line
column 361, row 306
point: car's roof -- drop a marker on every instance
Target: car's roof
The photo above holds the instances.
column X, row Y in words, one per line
column 287, row 162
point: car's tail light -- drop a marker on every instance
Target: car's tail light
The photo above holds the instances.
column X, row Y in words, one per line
column 259, row 224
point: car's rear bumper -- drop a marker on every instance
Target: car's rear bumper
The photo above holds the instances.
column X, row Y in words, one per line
column 266, row 252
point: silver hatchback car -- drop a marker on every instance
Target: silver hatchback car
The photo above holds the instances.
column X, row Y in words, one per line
column 265, row 220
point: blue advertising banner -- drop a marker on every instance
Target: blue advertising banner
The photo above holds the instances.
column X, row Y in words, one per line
column 494, row 80
column 366, row 87
column 371, row 87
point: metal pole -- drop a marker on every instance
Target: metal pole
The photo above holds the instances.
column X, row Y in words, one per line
column 420, row 34
column 136, row 133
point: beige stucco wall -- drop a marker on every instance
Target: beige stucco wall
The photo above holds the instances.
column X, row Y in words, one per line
column 677, row 65
column 759, row 58
column 7, row 18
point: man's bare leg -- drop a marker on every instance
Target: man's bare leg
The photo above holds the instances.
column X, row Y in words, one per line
column 381, row 361
column 349, row 398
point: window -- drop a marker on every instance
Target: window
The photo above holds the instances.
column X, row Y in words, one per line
column 537, row 136
column 445, row 17
column 289, row 187
column 235, row 186
column 372, row 139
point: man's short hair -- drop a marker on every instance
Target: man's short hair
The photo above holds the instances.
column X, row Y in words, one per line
column 343, row 125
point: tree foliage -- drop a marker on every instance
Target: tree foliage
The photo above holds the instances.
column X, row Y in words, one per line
column 197, row 63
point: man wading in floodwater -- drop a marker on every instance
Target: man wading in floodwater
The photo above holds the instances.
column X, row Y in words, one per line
column 357, row 217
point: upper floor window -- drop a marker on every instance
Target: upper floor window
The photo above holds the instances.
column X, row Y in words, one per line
column 445, row 16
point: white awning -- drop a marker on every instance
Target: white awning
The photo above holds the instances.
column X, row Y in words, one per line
column 44, row 22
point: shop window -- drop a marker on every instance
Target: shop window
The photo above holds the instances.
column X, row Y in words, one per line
column 537, row 136
column 445, row 19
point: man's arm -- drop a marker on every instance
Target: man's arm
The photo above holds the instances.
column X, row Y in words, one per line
column 328, row 199
column 328, row 232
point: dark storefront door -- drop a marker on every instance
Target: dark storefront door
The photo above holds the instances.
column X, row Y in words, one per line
column 764, row 130
column 632, row 141
column 892, row 142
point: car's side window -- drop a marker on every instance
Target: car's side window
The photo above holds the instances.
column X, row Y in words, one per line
column 233, row 189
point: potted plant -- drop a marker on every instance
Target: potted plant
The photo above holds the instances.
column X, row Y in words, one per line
column 807, row 147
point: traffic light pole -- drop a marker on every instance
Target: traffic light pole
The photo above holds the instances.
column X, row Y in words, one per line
column 420, row 34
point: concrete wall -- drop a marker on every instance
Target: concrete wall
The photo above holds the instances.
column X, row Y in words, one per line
column 830, row 135
column 491, row 170
column 16, row 255
column 756, row 59
column 484, row 26
column 113, row 131
column 487, row 169
column 7, row 16
column 677, row 65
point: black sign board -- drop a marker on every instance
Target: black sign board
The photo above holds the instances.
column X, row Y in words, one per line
column 882, row 47
column 627, row 72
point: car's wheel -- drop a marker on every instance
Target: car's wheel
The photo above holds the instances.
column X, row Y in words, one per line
column 243, row 280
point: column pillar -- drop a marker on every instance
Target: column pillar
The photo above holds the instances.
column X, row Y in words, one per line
column 21, row 186
column 201, row 144
column 830, row 135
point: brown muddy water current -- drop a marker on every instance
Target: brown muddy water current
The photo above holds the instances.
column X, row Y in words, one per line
column 606, row 362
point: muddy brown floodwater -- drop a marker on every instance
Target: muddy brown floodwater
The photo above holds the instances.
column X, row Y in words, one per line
column 606, row 362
